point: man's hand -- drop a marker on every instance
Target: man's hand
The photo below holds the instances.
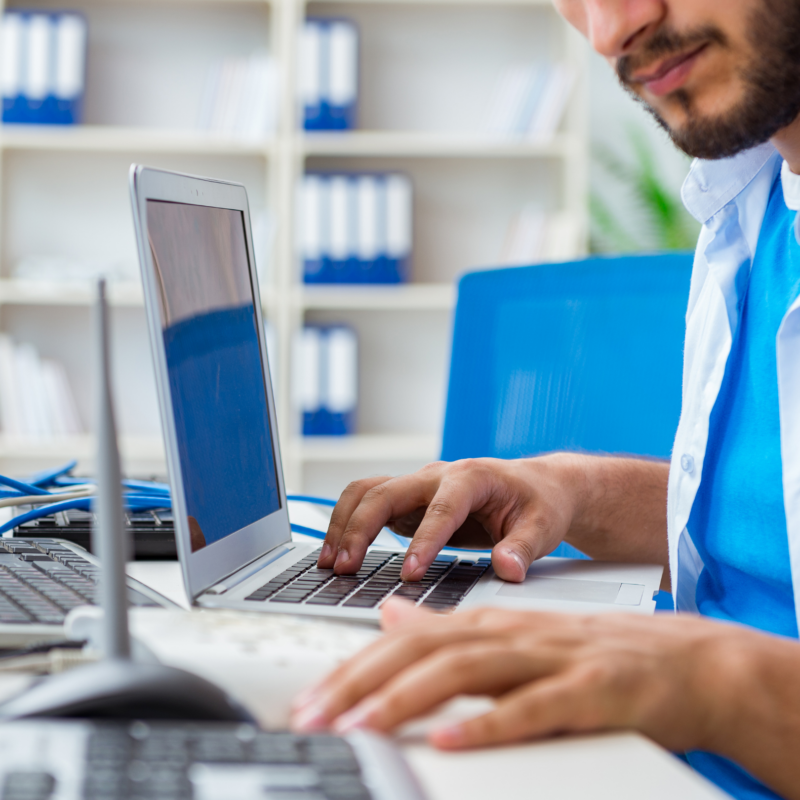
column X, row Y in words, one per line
column 611, row 508
column 668, row 677
column 527, row 505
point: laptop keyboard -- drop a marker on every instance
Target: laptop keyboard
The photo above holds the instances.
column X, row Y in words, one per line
column 152, row 532
column 41, row 580
column 444, row 585
column 179, row 761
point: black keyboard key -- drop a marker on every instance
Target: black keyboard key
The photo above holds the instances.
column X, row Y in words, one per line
column 361, row 602
column 343, row 787
column 28, row 785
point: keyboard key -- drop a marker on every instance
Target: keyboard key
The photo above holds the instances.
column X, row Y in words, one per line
column 28, row 785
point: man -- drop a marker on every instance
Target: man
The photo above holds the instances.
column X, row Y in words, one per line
column 723, row 77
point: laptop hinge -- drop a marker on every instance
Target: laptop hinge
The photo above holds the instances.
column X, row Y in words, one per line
column 247, row 572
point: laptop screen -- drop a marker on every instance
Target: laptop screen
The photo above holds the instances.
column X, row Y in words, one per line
column 216, row 377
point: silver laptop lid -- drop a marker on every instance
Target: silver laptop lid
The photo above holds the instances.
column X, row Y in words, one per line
column 207, row 336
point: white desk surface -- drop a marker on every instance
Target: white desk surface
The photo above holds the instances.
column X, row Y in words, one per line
column 616, row 766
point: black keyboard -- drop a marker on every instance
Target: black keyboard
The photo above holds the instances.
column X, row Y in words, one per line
column 152, row 532
column 41, row 580
column 443, row 586
column 180, row 761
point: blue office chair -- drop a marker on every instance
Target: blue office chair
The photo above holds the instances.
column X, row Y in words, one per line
column 581, row 356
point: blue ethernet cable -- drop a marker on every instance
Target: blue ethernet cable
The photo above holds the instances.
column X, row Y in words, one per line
column 140, row 496
column 50, row 476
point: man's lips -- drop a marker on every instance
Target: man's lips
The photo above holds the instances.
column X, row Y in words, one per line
column 671, row 73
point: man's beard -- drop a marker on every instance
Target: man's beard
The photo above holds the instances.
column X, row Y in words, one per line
column 771, row 80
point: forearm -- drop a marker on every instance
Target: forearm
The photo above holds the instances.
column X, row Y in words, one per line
column 620, row 507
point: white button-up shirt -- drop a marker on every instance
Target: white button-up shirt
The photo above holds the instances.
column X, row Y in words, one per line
column 729, row 197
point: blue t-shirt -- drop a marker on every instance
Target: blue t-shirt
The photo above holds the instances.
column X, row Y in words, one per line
column 738, row 522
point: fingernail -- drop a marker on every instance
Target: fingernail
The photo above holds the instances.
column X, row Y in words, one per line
column 357, row 717
column 304, row 698
column 325, row 552
column 410, row 566
column 518, row 559
column 342, row 558
column 308, row 719
column 448, row 736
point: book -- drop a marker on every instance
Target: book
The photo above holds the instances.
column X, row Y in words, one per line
column 43, row 67
column 240, row 97
column 328, row 71
column 326, row 379
column 356, row 227
column 534, row 237
column 36, row 399
column 529, row 101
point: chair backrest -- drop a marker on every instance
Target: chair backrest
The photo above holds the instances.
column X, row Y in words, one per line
column 584, row 356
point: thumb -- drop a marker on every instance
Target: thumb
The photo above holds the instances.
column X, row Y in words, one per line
column 530, row 537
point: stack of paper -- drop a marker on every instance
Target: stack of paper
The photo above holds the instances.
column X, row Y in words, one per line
column 36, row 400
column 356, row 228
column 240, row 97
column 328, row 72
column 529, row 101
column 536, row 237
column 42, row 67
column 67, row 270
column 326, row 379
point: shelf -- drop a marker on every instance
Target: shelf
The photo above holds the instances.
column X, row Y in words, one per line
column 65, row 293
column 434, row 145
column 82, row 447
column 101, row 139
column 14, row 291
column 535, row 3
column 404, row 297
column 366, row 447
column 409, row 297
column 59, row 3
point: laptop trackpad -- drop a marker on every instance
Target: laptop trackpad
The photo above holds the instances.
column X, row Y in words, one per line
column 574, row 589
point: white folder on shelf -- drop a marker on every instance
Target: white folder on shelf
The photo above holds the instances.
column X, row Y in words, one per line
column 38, row 58
column 399, row 234
column 341, row 395
column 342, row 64
column 70, row 37
column 12, row 35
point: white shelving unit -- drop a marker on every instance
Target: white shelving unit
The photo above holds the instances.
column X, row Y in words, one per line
column 427, row 73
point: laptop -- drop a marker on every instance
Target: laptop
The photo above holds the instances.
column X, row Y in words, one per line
column 218, row 414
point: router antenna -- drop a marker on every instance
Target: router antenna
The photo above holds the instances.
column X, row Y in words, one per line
column 109, row 534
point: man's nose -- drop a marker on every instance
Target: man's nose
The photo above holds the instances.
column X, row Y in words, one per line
column 614, row 26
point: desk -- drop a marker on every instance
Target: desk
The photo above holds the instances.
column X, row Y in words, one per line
column 615, row 766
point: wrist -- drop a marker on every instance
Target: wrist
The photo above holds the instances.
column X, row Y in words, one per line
column 575, row 474
column 734, row 683
column 567, row 475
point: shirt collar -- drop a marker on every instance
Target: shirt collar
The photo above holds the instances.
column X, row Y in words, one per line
column 711, row 185
column 791, row 188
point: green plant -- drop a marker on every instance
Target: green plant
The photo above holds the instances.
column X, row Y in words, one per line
column 663, row 224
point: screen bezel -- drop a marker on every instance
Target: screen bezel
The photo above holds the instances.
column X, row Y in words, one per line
column 210, row 565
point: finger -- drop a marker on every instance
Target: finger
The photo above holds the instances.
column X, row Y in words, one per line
column 526, row 538
column 487, row 667
column 348, row 502
column 396, row 612
column 376, row 664
column 446, row 513
column 407, row 525
column 388, row 500
column 559, row 704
